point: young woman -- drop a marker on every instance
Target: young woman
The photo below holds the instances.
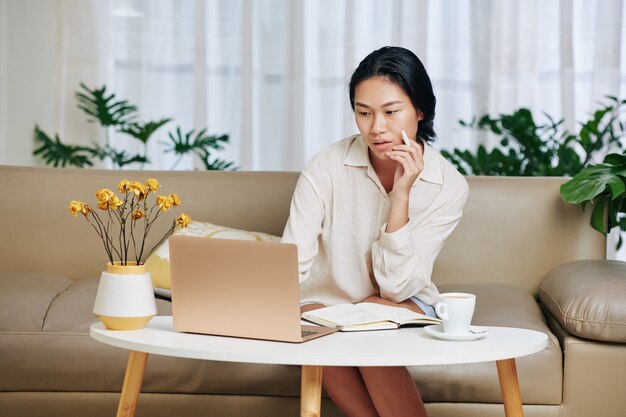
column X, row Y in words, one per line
column 369, row 216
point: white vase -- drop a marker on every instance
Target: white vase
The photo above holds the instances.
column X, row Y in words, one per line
column 125, row 298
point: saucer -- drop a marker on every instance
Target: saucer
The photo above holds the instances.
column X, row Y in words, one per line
column 436, row 330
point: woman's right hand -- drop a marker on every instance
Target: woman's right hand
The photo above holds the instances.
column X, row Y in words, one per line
column 410, row 164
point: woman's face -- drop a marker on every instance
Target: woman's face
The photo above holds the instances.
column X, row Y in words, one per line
column 382, row 110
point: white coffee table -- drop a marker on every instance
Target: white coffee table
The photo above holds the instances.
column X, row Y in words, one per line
column 411, row 347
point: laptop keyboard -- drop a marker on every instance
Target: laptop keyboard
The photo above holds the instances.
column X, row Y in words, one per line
column 306, row 333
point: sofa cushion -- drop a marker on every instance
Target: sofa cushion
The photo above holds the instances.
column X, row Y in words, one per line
column 588, row 298
column 158, row 263
column 25, row 299
column 72, row 309
column 540, row 375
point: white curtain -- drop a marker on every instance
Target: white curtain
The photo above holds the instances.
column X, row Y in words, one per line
column 272, row 74
column 3, row 81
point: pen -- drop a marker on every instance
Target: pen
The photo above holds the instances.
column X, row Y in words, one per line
column 405, row 138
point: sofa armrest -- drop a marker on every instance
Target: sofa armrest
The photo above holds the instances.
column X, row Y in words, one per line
column 588, row 298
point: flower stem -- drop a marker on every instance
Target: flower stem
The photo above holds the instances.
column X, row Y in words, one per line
column 109, row 233
column 164, row 237
column 148, row 225
column 99, row 232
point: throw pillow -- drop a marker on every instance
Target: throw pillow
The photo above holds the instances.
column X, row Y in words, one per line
column 158, row 263
column 588, row 298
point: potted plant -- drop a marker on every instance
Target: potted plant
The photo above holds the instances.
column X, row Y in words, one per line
column 528, row 148
column 103, row 107
column 604, row 186
column 125, row 297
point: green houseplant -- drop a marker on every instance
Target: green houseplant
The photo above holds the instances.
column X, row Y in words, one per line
column 531, row 149
column 604, row 186
column 109, row 112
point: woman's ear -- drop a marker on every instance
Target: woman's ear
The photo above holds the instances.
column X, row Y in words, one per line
column 420, row 115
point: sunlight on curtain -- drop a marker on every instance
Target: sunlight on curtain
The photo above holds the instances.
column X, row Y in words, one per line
column 272, row 74
column 83, row 51
column 155, row 63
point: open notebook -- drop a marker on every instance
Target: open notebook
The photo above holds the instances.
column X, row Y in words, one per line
column 367, row 316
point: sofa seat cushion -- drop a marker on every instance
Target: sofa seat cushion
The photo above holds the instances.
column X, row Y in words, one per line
column 540, row 375
column 26, row 297
column 588, row 298
column 59, row 355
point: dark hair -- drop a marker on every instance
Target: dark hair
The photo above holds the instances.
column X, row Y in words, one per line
column 403, row 68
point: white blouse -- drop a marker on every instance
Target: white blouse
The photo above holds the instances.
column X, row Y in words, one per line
column 338, row 220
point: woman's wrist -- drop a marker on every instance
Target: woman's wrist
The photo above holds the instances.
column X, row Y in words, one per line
column 399, row 198
column 398, row 213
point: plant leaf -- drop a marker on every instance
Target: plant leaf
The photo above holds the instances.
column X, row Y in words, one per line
column 103, row 108
column 181, row 143
column 201, row 144
column 617, row 188
column 218, row 164
column 56, row 153
column 143, row 131
column 593, row 181
column 119, row 158
column 615, row 159
column 597, row 216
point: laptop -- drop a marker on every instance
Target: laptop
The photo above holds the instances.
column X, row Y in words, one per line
column 237, row 288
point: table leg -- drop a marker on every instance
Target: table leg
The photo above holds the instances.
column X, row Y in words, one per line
column 132, row 383
column 311, row 391
column 509, row 385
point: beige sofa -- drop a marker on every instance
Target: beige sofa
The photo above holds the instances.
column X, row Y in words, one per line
column 515, row 231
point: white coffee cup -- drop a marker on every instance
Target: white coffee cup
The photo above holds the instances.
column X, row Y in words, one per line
column 456, row 310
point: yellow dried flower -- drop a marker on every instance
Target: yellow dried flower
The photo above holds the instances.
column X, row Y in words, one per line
column 107, row 200
column 77, row 207
column 164, row 202
column 110, row 227
column 183, row 220
column 152, row 184
column 115, row 202
column 104, row 195
column 139, row 189
column 124, row 186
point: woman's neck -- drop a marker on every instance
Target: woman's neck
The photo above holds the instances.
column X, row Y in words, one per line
column 382, row 166
column 385, row 171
